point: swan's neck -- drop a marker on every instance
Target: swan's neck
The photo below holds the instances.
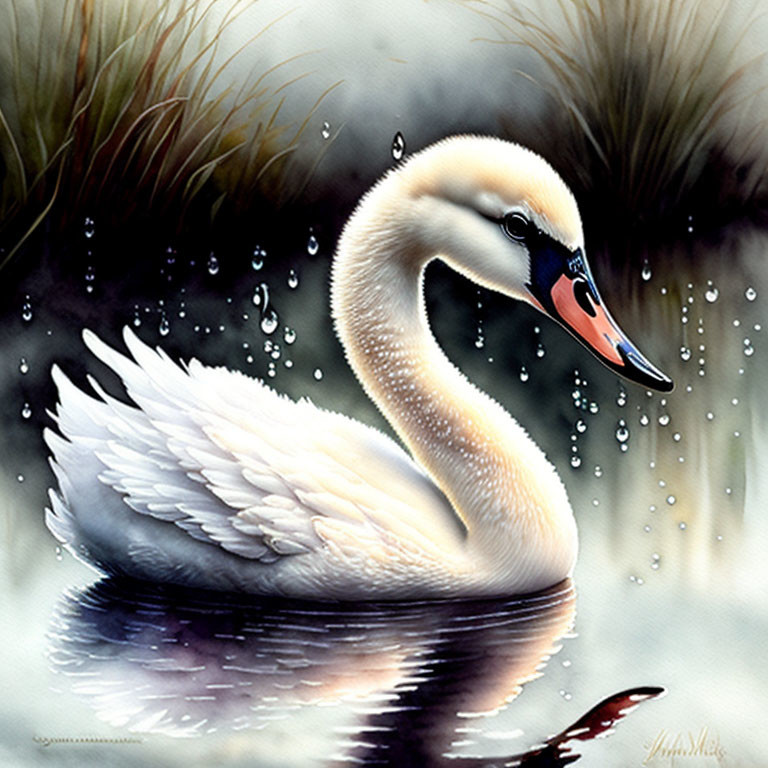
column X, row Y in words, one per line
column 498, row 481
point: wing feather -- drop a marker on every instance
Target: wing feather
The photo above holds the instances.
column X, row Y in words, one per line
column 232, row 463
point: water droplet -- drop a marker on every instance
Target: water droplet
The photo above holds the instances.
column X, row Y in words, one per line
column 728, row 491
column 621, row 399
column 581, row 426
column 594, row 407
column 261, row 296
column 682, row 526
column 398, row 146
column 164, row 328
column 540, row 351
column 622, row 433
column 749, row 350
column 19, row 478
column 312, row 246
column 326, row 130
column 750, row 294
column 90, row 276
column 646, row 271
column 257, row 261
column 711, row 294
column 664, row 419
column 26, row 411
column 663, row 291
column 575, row 461
column 289, row 335
column 213, row 264
column 23, row 365
column 26, row 309
column 269, row 321
column 59, row 555
column 677, row 437
column 271, row 372
column 293, row 280
column 710, row 416
column 671, row 499
column 89, row 227
column 685, row 353
column 644, row 419
column 480, row 340
column 734, row 401
column 318, row 374
column 524, row 375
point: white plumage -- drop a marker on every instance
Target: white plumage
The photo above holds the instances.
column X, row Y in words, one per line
column 229, row 463
column 213, row 480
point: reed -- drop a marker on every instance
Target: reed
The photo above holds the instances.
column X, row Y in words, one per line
column 657, row 104
column 116, row 108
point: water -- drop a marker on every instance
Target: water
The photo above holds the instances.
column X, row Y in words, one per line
column 669, row 577
column 668, row 591
column 404, row 680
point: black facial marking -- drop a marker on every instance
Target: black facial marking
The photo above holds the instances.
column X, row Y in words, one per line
column 549, row 260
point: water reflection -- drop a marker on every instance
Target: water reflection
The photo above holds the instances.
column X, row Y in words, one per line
column 410, row 676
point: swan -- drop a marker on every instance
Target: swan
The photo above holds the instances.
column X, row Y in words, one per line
column 215, row 481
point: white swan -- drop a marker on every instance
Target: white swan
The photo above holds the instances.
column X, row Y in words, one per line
column 215, row 481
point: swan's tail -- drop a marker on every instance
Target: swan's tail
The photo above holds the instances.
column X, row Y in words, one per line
column 85, row 425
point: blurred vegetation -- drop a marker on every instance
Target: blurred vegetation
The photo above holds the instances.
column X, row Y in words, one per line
column 657, row 111
column 115, row 108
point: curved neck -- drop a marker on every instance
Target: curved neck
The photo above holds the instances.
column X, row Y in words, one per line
column 495, row 477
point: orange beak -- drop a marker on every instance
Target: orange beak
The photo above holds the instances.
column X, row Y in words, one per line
column 562, row 287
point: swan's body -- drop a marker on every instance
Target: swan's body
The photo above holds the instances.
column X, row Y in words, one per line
column 215, row 481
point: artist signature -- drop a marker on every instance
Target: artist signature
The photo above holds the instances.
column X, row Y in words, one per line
column 47, row 741
column 670, row 747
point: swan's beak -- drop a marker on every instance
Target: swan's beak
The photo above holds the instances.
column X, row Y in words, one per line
column 569, row 295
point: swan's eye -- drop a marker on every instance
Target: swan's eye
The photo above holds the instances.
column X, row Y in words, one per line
column 516, row 226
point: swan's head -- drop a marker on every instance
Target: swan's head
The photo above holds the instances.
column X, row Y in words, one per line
column 499, row 214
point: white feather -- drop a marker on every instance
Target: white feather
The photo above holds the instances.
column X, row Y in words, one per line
column 211, row 479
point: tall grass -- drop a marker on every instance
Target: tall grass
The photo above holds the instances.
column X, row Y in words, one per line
column 120, row 107
column 657, row 99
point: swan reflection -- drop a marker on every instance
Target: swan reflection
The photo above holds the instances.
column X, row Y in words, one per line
column 159, row 660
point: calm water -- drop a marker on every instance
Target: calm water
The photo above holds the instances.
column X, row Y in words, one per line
column 669, row 591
